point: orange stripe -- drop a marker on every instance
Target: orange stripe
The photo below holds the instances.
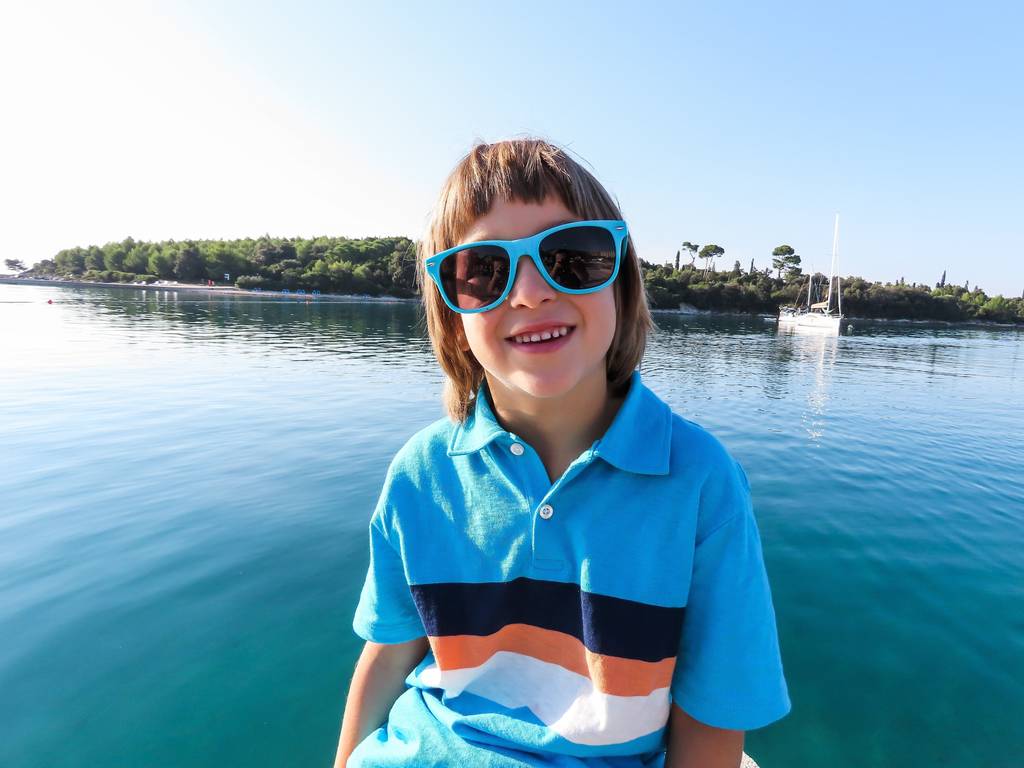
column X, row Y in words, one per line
column 609, row 674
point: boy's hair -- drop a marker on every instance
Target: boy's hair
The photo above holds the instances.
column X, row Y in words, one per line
column 525, row 170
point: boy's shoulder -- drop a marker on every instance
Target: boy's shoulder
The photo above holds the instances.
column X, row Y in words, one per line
column 704, row 462
column 424, row 450
column 691, row 447
column 694, row 446
column 416, row 470
column 699, row 463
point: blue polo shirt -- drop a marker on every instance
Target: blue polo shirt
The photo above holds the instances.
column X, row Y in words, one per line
column 564, row 619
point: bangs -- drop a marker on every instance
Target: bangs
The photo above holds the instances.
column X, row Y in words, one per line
column 511, row 171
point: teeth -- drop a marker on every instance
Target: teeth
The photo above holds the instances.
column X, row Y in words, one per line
column 529, row 338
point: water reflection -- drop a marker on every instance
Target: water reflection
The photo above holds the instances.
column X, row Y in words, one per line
column 777, row 369
column 388, row 335
column 821, row 350
column 730, row 372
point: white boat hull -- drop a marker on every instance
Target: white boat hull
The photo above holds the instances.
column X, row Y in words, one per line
column 812, row 321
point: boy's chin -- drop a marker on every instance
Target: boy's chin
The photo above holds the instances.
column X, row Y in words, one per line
column 548, row 386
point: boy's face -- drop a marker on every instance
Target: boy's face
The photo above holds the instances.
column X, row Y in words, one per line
column 518, row 370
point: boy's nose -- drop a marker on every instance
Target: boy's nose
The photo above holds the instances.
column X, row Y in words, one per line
column 530, row 288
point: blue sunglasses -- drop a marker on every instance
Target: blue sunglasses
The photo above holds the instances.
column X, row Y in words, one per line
column 578, row 257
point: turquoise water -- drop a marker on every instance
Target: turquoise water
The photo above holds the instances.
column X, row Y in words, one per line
column 185, row 485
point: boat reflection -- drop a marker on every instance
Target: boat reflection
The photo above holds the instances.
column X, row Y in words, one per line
column 814, row 356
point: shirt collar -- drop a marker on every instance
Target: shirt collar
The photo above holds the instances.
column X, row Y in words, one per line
column 479, row 429
column 639, row 439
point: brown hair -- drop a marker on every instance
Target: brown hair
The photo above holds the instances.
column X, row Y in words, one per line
column 525, row 170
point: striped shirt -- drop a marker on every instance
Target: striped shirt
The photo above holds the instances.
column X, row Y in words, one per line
column 564, row 619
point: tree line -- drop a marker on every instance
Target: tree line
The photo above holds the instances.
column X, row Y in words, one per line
column 756, row 290
column 373, row 265
column 386, row 266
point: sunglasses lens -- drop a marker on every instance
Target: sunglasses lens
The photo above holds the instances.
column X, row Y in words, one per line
column 579, row 257
column 475, row 277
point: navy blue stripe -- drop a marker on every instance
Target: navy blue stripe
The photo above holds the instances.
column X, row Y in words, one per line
column 607, row 625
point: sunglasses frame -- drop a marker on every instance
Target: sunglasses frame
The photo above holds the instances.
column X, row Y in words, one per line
column 530, row 246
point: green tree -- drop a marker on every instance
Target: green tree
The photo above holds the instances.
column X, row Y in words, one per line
column 997, row 309
column 137, row 259
column 189, row 265
column 709, row 253
column 692, row 248
column 114, row 254
column 268, row 251
column 783, row 258
column 400, row 268
column 15, row 265
column 70, row 261
column 161, row 263
column 220, row 260
column 94, row 258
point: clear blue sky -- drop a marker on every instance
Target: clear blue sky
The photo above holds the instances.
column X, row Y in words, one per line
column 732, row 123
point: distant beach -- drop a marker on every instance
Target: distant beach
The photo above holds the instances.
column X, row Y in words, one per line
column 220, row 290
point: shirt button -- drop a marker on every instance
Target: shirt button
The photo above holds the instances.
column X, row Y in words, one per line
column 546, row 511
column 517, row 449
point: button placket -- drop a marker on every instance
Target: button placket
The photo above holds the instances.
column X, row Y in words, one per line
column 550, row 535
column 532, row 477
column 547, row 537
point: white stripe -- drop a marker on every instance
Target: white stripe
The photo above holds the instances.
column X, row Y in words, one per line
column 566, row 702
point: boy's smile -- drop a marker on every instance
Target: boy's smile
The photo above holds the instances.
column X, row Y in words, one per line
column 540, row 337
column 539, row 342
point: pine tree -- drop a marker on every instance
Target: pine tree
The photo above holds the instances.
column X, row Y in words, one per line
column 692, row 248
column 942, row 282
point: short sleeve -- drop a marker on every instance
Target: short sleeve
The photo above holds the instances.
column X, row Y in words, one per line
column 729, row 670
column 386, row 612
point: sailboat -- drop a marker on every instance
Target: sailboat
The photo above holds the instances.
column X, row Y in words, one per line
column 819, row 316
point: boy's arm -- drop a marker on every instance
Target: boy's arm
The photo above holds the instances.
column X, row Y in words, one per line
column 691, row 744
column 377, row 682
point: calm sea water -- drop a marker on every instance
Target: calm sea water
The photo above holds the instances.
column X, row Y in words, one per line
column 185, row 485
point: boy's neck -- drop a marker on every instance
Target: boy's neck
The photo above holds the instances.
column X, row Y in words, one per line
column 558, row 428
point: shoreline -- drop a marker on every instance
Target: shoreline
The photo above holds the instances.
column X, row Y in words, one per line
column 691, row 311
column 688, row 311
column 221, row 290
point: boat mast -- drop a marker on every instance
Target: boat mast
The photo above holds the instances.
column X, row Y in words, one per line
column 832, row 267
column 839, row 285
